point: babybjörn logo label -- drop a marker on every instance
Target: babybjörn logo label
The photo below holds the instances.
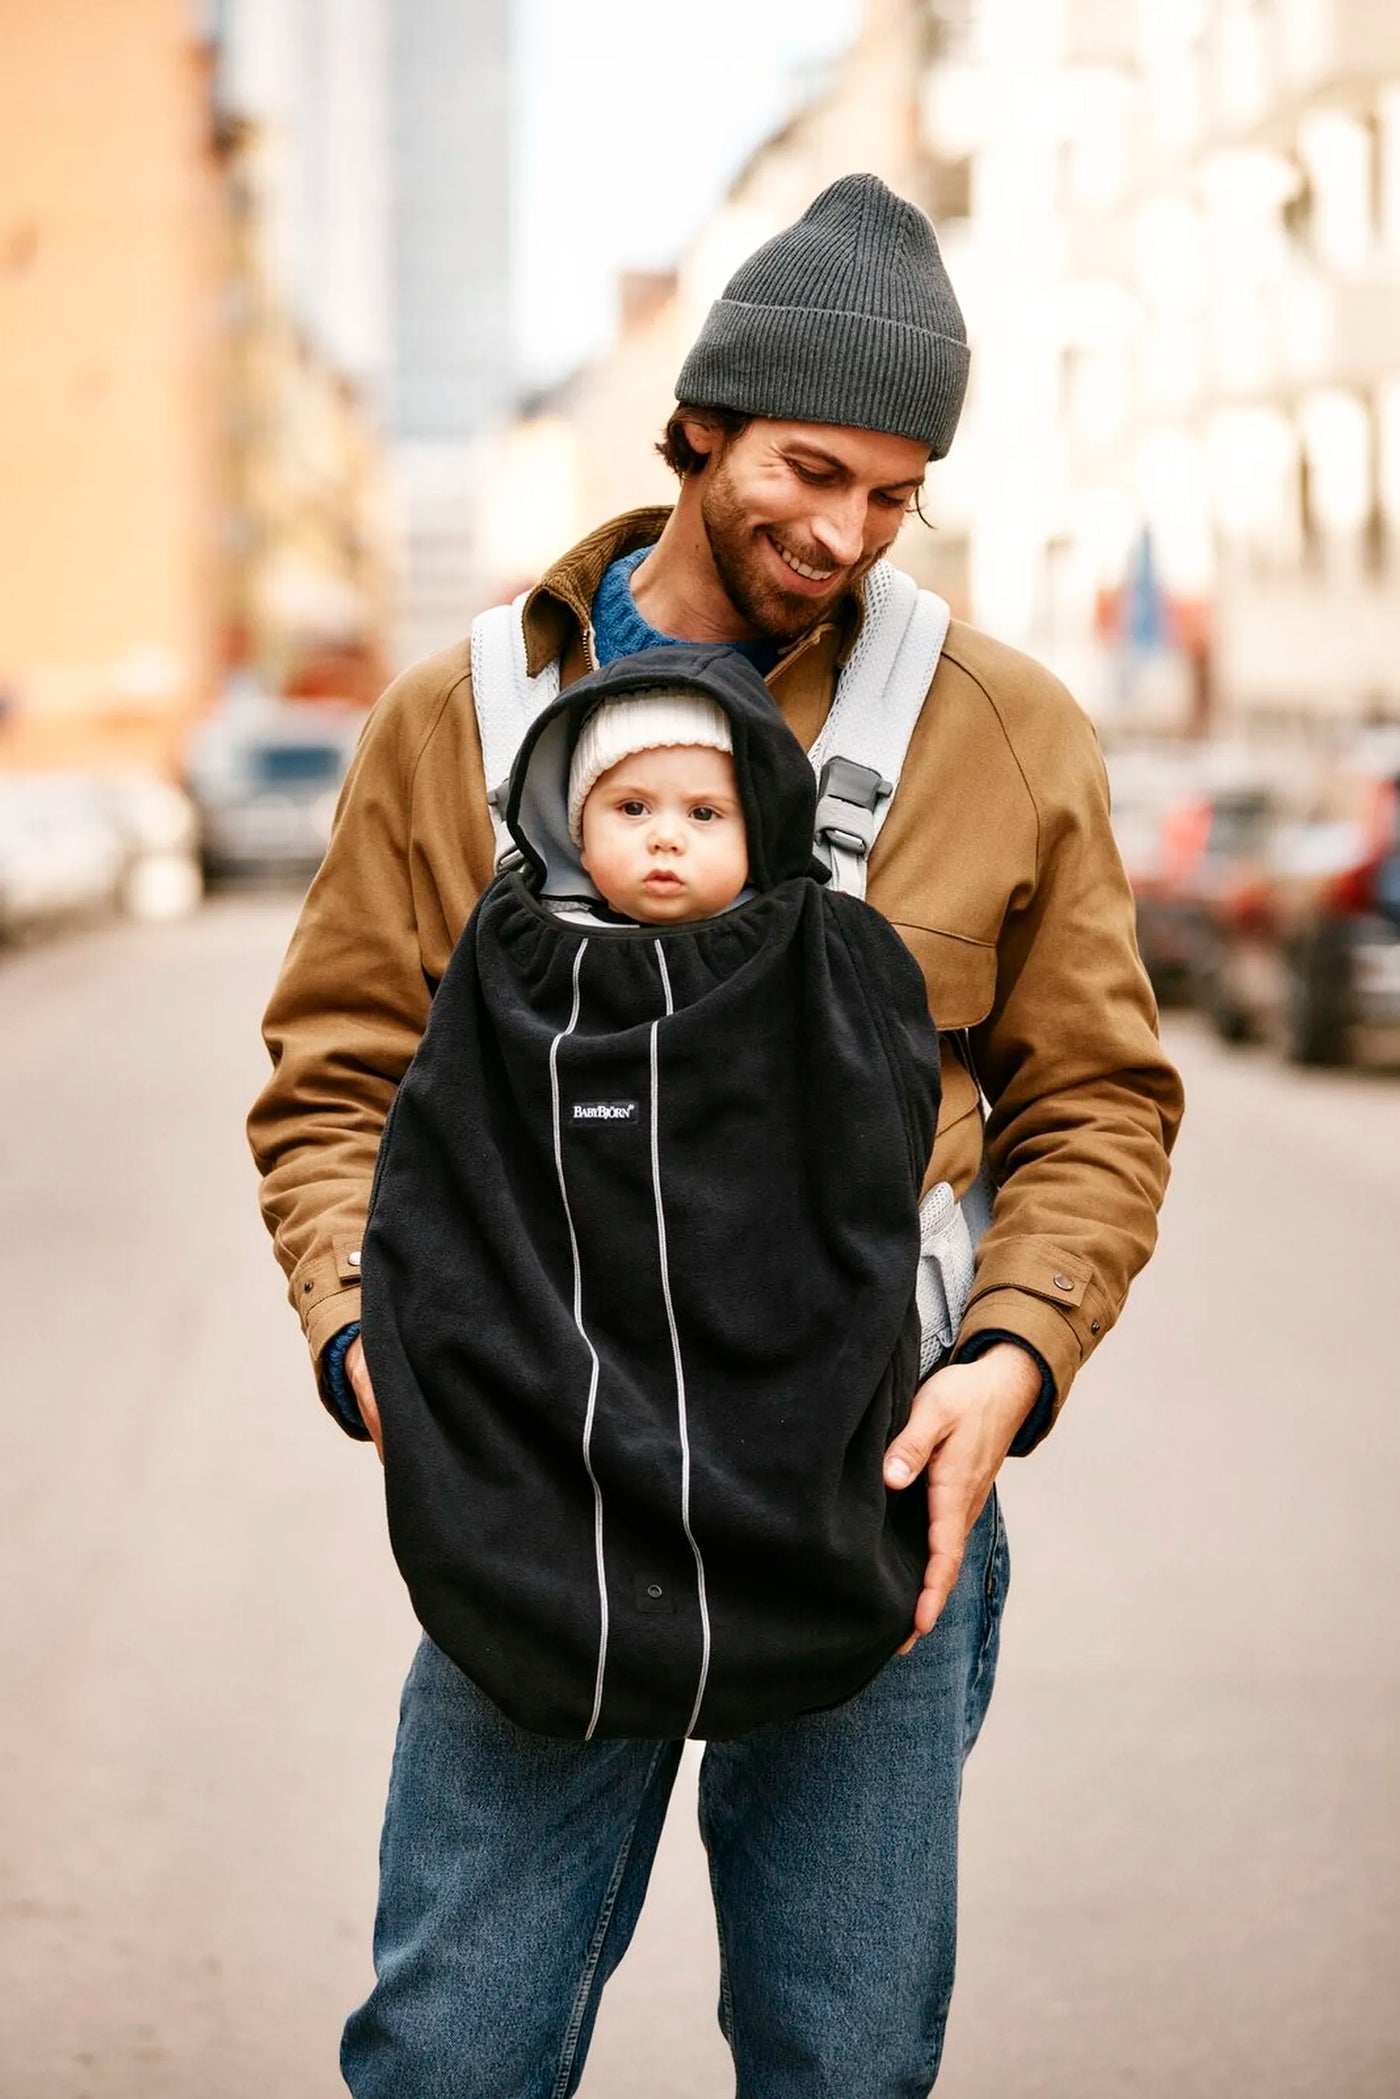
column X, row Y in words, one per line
column 605, row 1111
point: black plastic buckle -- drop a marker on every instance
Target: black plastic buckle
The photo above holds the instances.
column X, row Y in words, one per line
column 858, row 788
column 860, row 785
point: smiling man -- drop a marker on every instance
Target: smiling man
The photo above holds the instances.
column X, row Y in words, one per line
column 823, row 383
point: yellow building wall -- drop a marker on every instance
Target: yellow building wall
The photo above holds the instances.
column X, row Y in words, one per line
column 110, row 242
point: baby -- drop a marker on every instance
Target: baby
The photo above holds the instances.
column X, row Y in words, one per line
column 654, row 808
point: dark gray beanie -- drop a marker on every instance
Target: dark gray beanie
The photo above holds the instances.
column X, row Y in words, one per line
column 847, row 317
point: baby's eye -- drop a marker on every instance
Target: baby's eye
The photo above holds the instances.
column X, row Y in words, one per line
column 633, row 808
column 704, row 814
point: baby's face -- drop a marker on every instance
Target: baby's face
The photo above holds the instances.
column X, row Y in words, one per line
column 663, row 834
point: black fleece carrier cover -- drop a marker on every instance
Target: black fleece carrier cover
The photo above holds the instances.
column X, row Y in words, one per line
column 639, row 1272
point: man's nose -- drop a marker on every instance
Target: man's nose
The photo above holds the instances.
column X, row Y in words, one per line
column 839, row 528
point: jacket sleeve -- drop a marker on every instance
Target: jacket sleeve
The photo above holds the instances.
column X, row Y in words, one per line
column 1084, row 1105
column 345, row 1017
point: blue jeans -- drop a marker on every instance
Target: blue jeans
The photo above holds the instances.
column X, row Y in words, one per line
column 513, row 1869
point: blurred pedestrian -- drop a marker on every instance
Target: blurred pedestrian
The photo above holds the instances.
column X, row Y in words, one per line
column 822, row 384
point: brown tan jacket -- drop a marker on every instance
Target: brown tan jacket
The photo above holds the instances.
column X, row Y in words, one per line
column 996, row 865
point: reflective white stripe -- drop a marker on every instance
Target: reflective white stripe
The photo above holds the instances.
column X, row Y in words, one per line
column 676, row 1355
column 592, row 1352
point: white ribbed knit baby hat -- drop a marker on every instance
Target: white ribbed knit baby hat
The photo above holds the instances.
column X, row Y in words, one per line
column 646, row 721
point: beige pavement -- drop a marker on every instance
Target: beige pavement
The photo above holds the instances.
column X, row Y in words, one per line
column 1182, row 1856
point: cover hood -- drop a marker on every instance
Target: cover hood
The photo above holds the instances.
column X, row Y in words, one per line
column 777, row 788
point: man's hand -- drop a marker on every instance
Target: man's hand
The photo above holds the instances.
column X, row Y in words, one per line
column 961, row 1425
column 357, row 1370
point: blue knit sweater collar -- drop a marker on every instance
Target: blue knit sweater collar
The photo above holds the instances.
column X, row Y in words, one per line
column 620, row 630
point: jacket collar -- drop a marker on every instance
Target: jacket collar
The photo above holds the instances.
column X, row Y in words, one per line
column 557, row 613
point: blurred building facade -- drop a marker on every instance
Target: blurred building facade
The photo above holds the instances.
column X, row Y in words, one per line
column 449, row 367
column 311, row 76
column 110, row 281
column 191, row 476
column 306, row 539
column 384, row 156
column 1187, row 269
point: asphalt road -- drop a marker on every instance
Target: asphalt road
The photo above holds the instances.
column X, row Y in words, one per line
column 1182, row 1829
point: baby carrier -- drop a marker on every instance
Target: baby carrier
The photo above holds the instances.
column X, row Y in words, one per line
column 641, row 1266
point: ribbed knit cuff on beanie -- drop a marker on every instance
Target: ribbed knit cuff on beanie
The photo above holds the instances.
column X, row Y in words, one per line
column 848, row 317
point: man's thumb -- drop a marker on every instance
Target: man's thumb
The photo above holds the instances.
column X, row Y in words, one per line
column 904, row 1461
column 908, row 1455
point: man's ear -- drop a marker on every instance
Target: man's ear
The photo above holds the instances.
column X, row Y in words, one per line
column 702, row 438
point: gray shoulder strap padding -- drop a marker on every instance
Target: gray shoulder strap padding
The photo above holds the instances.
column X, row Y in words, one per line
column 879, row 697
column 507, row 699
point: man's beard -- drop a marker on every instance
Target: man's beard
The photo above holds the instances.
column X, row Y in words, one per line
column 774, row 613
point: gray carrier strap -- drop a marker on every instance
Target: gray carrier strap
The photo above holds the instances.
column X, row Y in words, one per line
column 507, row 700
column 949, row 1233
column 859, row 752
column 948, row 1236
column 859, row 756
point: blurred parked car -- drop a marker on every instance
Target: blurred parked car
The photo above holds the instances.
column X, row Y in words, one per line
column 74, row 845
column 265, row 778
column 1214, row 843
column 158, row 826
column 61, row 854
column 1302, row 944
column 1183, row 839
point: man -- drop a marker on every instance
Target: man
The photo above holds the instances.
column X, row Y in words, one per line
column 822, row 384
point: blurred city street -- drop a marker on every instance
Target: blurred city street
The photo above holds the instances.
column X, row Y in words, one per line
column 1182, row 1846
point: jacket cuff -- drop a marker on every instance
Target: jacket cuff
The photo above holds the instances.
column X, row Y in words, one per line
column 330, row 1318
column 330, row 1314
column 325, row 1289
column 1044, row 1293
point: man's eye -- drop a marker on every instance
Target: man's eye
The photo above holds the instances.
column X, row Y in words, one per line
column 812, row 475
column 893, row 502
